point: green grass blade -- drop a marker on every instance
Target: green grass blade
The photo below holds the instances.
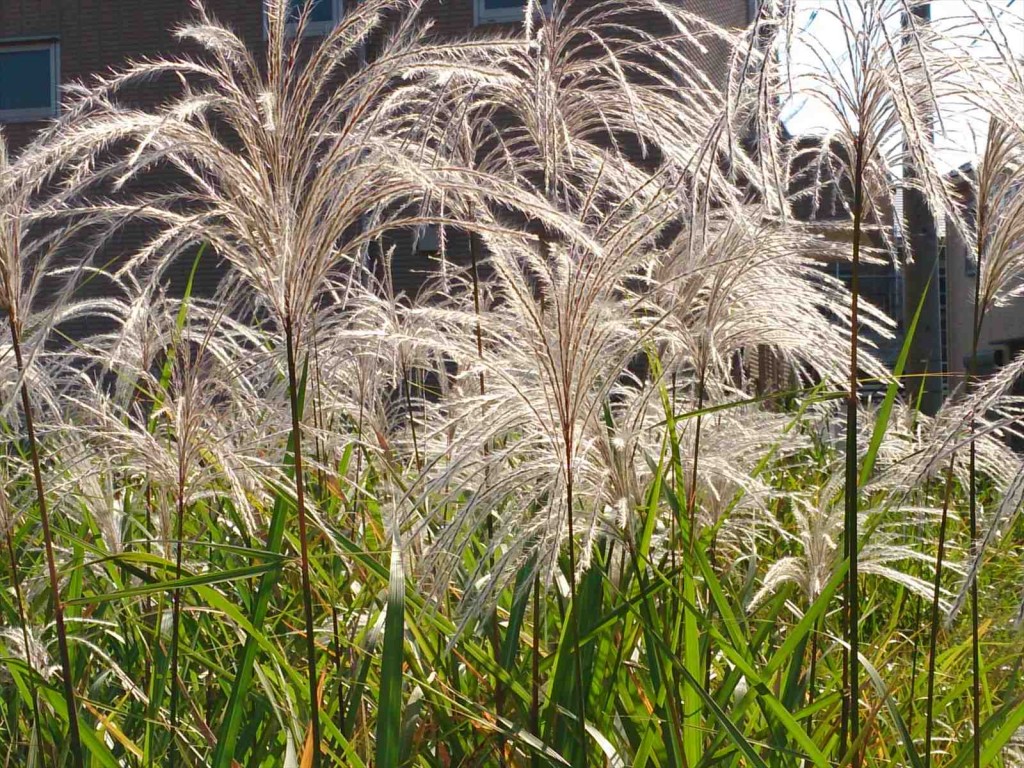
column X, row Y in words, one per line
column 99, row 753
column 160, row 586
column 521, row 598
column 735, row 735
column 894, row 713
column 389, row 706
column 227, row 735
column 996, row 731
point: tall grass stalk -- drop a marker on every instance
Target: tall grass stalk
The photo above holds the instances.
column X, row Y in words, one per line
column 300, row 504
column 997, row 227
column 474, row 266
column 850, row 534
column 933, row 631
column 535, row 681
column 176, row 603
column 411, row 415
column 688, row 627
column 972, row 490
column 574, row 607
column 75, row 739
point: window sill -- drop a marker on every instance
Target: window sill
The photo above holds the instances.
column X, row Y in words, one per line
column 27, row 115
column 483, row 21
column 483, row 18
column 313, row 29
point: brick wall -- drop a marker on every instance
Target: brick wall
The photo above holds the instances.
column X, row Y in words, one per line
column 97, row 35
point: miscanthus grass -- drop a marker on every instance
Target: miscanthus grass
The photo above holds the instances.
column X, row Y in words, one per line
column 624, row 481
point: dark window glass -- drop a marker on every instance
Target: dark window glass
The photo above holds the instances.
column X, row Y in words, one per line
column 322, row 11
column 26, row 79
column 505, row 10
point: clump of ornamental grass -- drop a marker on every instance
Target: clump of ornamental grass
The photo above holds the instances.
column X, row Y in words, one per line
column 562, row 141
column 290, row 167
column 177, row 445
column 41, row 225
column 884, row 96
column 818, row 533
column 26, row 257
column 562, row 112
column 596, row 480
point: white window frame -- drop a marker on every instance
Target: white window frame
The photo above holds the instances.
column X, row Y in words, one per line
column 35, row 113
column 313, row 28
column 502, row 15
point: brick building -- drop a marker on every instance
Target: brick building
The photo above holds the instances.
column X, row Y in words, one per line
column 44, row 43
column 1002, row 332
column 47, row 43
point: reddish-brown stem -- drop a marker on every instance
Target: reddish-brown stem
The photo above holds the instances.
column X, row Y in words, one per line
column 58, row 606
column 300, row 503
column 176, row 604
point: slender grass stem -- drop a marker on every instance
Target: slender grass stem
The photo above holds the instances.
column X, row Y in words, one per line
column 474, row 258
column 929, row 712
column 975, row 635
column 300, row 503
column 147, row 603
column 359, row 527
column 581, row 694
column 691, row 503
column 691, row 499
column 673, row 523
column 915, row 657
column 812, row 674
column 51, row 564
column 979, row 319
column 338, row 670
column 850, row 522
column 406, row 385
column 535, row 668
column 151, row 671
column 844, row 714
column 176, row 604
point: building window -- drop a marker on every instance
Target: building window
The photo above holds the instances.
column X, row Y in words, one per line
column 498, row 11
column 970, row 262
column 943, row 318
column 28, row 81
column 970, row 256
column 428, row 239
column 323, row 16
